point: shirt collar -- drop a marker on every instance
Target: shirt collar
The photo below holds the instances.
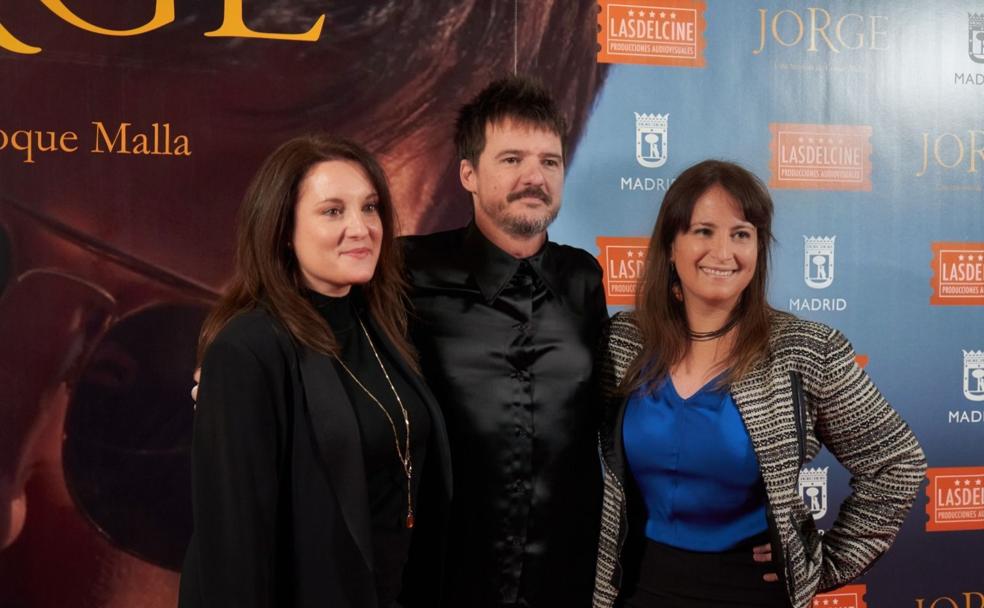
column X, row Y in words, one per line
column 493, row 268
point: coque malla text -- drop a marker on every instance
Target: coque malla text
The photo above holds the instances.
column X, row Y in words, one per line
column 124, row 138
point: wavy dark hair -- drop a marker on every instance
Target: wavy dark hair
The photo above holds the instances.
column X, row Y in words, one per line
column 660, row 314
column 266, row 271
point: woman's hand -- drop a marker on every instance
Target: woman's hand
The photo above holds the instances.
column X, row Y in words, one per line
column 763, row 553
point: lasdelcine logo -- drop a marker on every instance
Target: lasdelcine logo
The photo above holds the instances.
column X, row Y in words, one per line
column 958, row 274
column 623, row 259
column 956, row 499
column 820, row 157
column 848, row 596
column 652, row 32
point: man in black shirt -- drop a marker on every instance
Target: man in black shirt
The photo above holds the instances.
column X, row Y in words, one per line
column 506, row 323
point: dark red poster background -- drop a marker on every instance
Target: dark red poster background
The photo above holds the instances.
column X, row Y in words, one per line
column 109, row 259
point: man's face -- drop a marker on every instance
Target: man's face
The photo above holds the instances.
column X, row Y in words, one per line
column 519, row 180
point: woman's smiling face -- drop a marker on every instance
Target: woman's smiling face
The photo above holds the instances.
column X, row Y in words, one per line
column 715, row 257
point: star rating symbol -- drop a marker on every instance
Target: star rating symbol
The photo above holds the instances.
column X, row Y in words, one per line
column 980, row 258
column 652, row 14
column 630, row 253
column 631, row 13
column 800, row 140
column 662, row 14
column 811, row 140
column 672, row 15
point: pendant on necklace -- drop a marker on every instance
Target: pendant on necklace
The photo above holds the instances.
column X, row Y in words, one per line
column 410, row 519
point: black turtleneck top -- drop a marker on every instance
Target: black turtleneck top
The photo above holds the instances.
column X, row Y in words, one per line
column 386, row 480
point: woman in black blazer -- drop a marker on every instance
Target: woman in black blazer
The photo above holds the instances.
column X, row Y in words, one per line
column 320, row 459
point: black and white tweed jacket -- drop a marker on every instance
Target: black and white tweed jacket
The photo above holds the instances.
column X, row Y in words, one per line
column 836, row 405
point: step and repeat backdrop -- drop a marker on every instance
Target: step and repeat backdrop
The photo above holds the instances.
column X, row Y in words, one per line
column 128, row 132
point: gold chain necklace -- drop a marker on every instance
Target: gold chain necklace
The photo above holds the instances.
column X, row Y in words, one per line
column 404, row 454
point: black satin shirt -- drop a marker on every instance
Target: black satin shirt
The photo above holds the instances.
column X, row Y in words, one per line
column 506, row 345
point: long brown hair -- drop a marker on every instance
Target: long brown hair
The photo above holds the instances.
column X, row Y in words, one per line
column 660, row 314
column 266, row 270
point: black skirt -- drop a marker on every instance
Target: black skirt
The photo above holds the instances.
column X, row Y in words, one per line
column 677, row 578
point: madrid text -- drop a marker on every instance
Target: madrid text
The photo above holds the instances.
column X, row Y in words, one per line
column 645, row 184
column 817, row 304
column 965, row 416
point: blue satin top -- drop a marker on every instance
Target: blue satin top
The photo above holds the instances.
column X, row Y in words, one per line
column 693, row 462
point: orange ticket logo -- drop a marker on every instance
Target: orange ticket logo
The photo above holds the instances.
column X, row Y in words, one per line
column 652, row 32
column 861, row 360
column 956, row 499
column 623, row 259
column 849, row 596
column 958, row 274
column 820, row 157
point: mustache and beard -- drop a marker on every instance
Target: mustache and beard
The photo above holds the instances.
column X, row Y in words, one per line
column 523, row 224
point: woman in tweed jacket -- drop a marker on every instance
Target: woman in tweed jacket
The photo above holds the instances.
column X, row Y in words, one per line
column 703, row 327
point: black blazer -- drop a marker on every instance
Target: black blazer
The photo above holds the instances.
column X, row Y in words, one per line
column 279, row 487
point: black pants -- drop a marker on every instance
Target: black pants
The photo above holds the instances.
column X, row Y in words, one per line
column 676, row 578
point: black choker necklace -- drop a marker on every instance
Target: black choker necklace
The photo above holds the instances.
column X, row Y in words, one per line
column 704, row 336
